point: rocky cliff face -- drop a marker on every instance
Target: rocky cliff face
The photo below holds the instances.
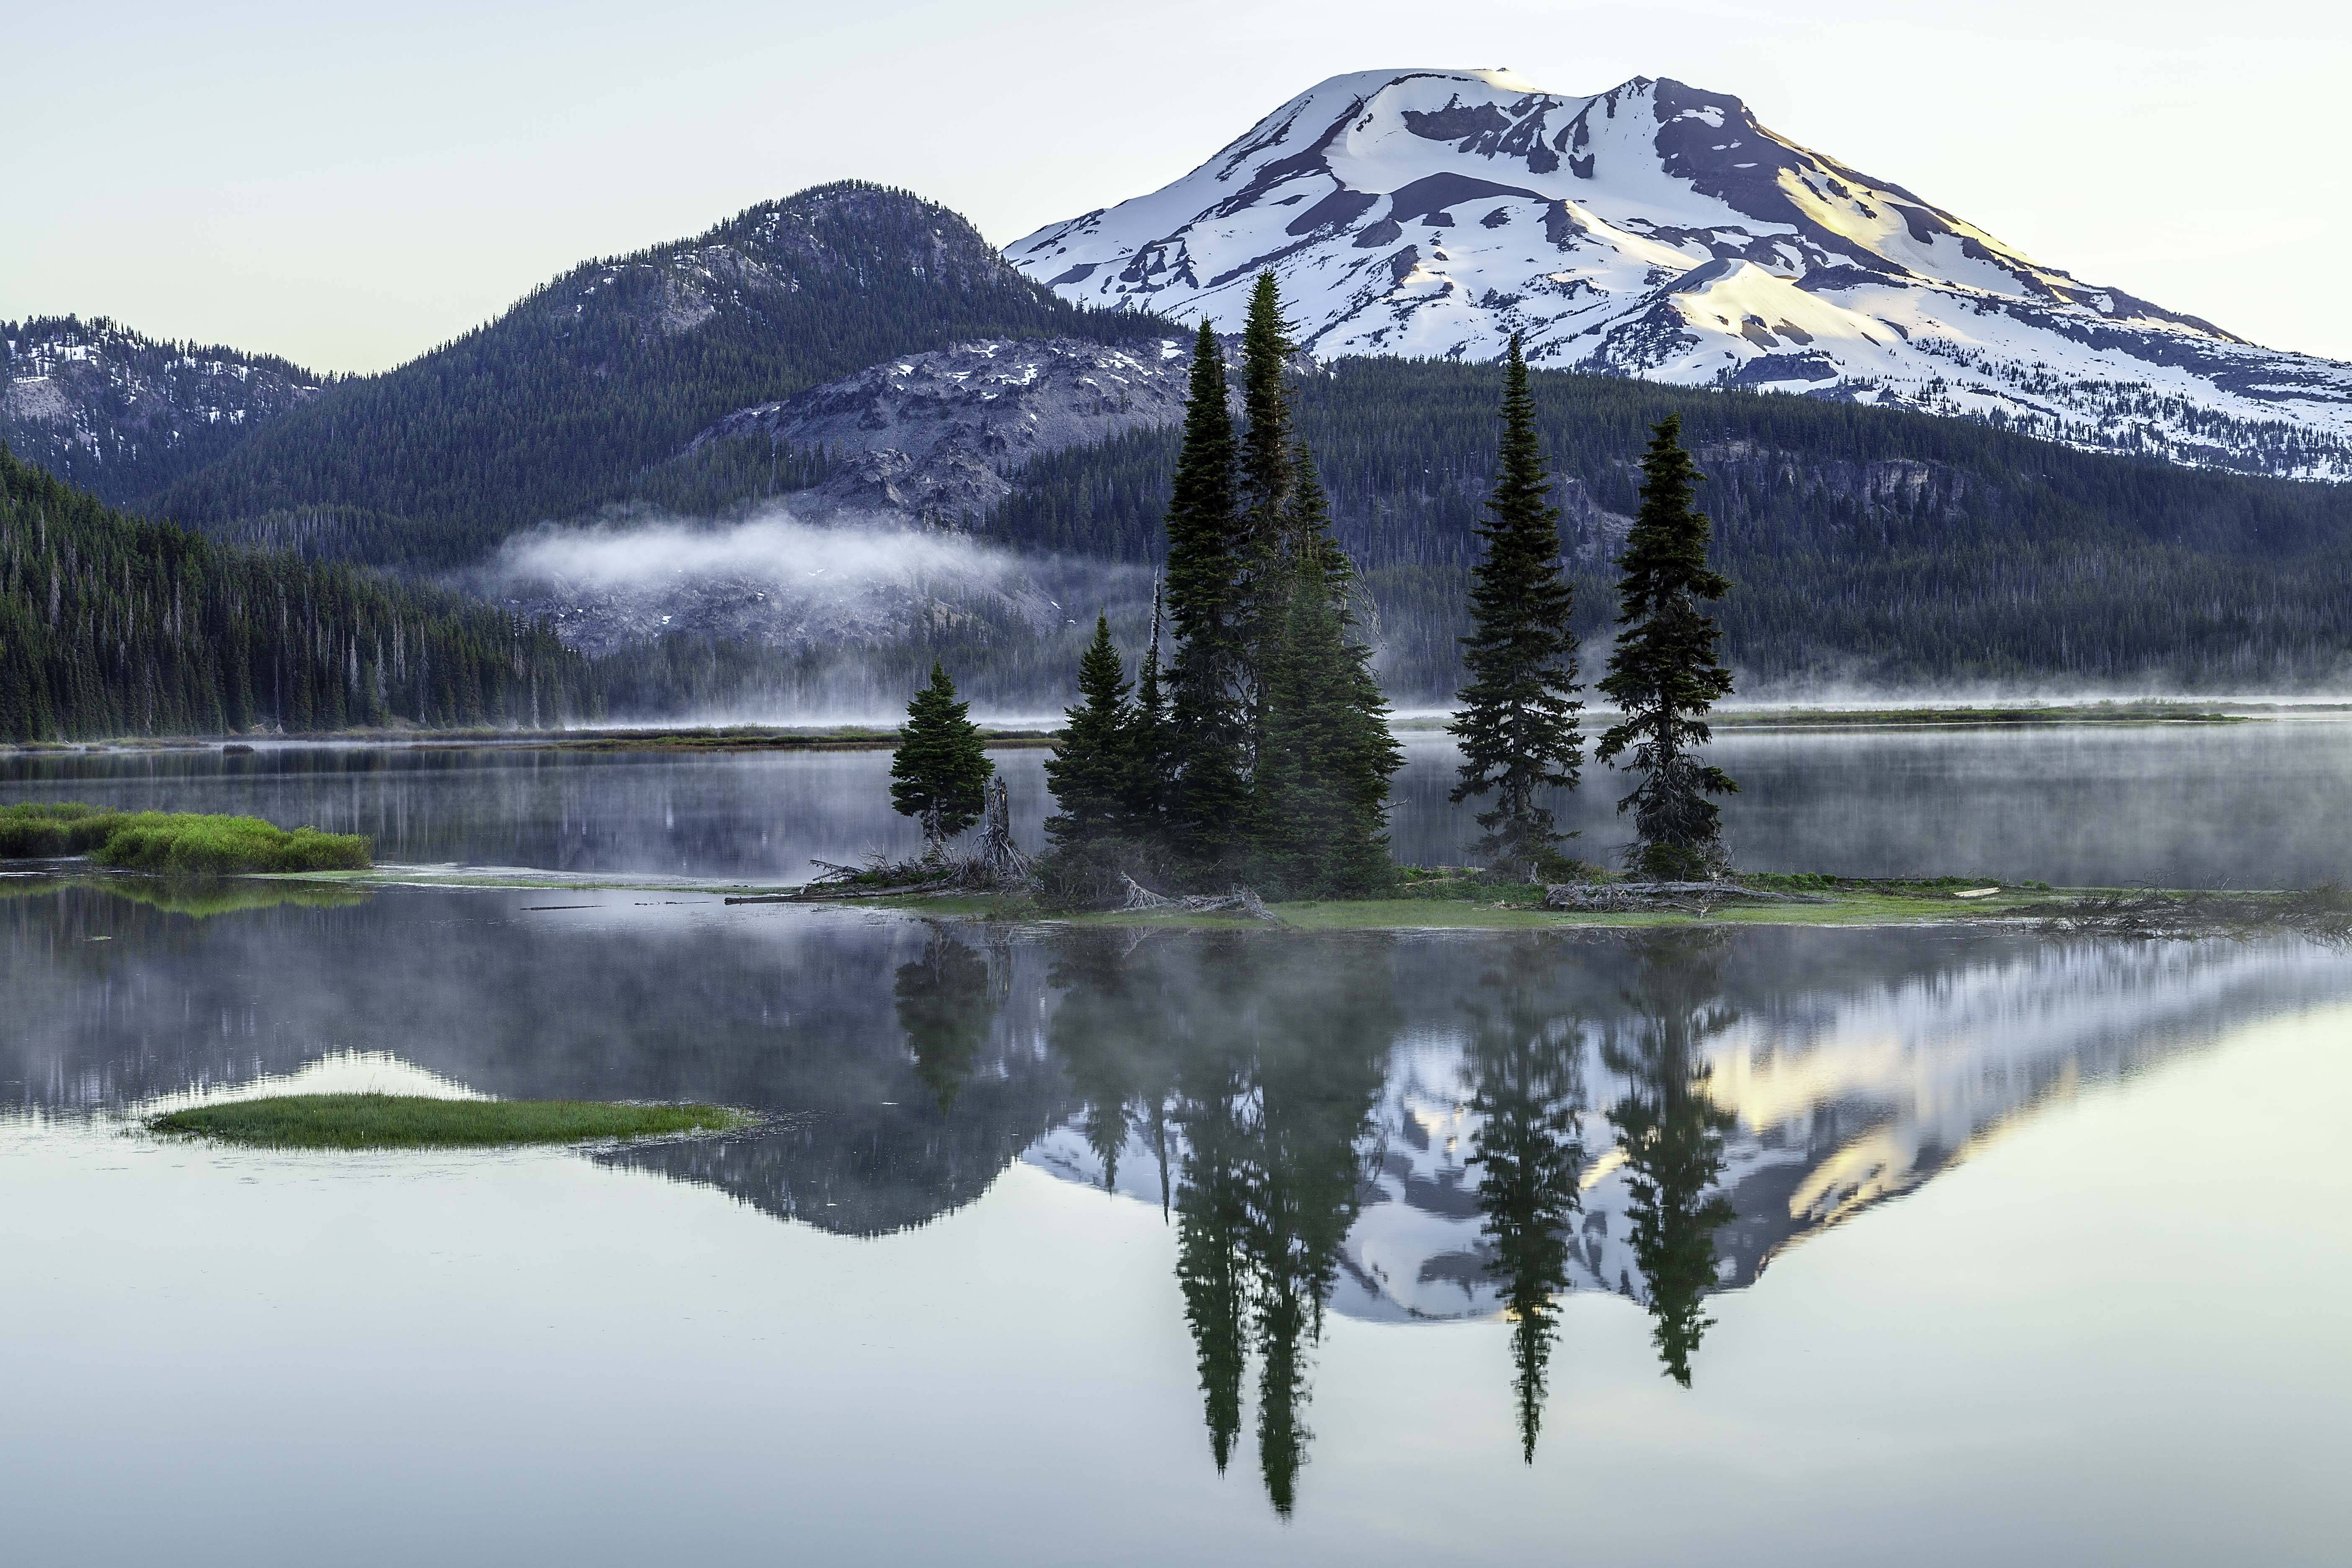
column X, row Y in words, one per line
column 1660, row 230
column 117, row 412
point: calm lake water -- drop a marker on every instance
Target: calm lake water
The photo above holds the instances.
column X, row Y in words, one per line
column 1073, row 1245
column 2259, row 804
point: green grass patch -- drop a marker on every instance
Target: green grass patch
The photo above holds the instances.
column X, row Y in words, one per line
column 415, row 1121
column 181, row 844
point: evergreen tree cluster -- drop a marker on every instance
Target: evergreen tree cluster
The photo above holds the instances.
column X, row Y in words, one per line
column 1262, row 753
column 110, row 625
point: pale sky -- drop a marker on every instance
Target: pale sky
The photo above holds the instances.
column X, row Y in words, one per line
column 350, row 185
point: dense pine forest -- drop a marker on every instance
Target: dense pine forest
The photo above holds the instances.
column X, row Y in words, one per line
column 548, row 410
column 1867, row 544
column 110, row 625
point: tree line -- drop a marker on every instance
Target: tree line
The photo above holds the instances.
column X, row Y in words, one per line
column 1259, row 750
column 1870, row 545
column 110, row 625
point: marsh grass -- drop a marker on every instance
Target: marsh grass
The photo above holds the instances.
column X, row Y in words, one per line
column 417, row 1122
column 178, row 844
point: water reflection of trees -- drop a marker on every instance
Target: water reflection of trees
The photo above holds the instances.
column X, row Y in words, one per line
column 1526, row 1067
column 947, row 1008
column 1266, row 1059
column 1671, row 1133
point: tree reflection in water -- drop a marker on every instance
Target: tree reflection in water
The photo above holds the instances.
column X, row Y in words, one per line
column 1252, row 1068
column 946, row 1006
column 1526, row 1067
column 1265, row 1060
column 1672, row 1133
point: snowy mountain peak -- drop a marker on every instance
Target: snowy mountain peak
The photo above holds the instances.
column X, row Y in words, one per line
column 1661, row 230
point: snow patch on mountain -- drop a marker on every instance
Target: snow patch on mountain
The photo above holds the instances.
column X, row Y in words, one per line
column 1658, row 230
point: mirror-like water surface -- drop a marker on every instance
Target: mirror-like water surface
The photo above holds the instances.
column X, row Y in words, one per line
column 1081, row 1242
column 2263, row 804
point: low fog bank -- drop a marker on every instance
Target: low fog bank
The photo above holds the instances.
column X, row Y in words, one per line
column 776, row 618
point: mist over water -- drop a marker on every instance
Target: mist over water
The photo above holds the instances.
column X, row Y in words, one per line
column 2257, row 804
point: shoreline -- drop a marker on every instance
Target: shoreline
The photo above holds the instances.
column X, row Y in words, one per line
column 858, row 737
column 2323, row 913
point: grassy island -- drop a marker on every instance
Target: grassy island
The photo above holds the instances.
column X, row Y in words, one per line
column 178, row 843
column 417, row 1121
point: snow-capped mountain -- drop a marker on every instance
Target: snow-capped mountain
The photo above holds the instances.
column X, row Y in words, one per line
column 1657, row 230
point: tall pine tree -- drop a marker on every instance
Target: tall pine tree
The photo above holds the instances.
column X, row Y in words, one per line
column 1265, row 474
column 940, row 768
column 1208, row 785
column 1518, row 724
column 1090, row 772
column 1662, row 673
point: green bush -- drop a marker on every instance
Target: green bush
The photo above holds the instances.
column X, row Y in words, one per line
column 178, row 843
column 45, row 829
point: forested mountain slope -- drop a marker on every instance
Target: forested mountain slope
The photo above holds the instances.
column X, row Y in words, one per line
column 550, row 409
column 1866, row 543
column 110, row 625
column 122, row 414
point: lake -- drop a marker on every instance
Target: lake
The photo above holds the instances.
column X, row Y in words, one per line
column 1076, row 1244
column 2256, row 805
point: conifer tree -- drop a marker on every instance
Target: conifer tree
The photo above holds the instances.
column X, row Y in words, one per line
column 1662, row 673
column 1266, row 475
column 1208, row 787
column 1150, row 744
column 1517, row 726
column 1090, row 771
column 940, row 768
column 1325, row 755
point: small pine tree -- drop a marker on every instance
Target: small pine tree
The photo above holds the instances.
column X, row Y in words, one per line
column 1662, row 673
column 1325, row 755
column 1517, row 726
column 941, row 769
column 1090, row 772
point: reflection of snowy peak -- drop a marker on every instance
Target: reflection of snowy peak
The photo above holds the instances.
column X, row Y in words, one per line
column 1843, row 1098
column 1657, row 230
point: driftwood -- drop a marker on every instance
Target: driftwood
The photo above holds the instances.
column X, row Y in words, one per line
column 1626, row 898
column 1241, row 901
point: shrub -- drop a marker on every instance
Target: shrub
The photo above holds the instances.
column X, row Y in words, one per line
column 176, row 842
column 220, row 845
column 50, row 829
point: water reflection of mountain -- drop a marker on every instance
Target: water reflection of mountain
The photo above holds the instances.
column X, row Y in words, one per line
column 111, row 1002
column 1401, row 1127
column 1854, row 1065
